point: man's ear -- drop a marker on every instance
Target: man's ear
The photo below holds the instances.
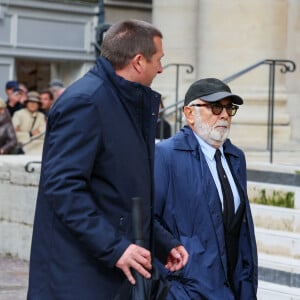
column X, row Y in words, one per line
column 138, row 62
column 189, row 115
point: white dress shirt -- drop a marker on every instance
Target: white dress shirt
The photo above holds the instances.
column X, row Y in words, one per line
column 209, row 153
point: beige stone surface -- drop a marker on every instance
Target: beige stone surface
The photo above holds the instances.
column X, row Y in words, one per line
column 220, row 38
column 13, row 278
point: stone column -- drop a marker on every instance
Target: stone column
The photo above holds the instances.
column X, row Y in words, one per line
column 293, row 53
column 236, row 34
column 177, row 20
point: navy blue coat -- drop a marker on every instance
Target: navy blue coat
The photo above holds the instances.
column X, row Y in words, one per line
column 98, row 154
column 187, row 205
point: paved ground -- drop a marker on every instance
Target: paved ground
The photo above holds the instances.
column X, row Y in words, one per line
column 13, row 278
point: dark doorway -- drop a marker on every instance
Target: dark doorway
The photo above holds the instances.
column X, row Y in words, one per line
column 34, row 74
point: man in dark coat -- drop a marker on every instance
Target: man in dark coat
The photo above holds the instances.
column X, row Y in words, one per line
column 192, row 207
column 98, row 154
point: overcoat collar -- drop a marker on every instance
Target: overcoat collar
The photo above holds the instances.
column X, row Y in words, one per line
column 185, row 140
column 190, row 143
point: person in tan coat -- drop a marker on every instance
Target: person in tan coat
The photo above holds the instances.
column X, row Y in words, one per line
column 30, row 124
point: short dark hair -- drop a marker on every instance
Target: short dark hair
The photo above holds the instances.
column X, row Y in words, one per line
column 125, row 39
column 47, row 92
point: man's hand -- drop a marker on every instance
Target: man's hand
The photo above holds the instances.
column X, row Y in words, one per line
column 137, row 258
column 177, row 259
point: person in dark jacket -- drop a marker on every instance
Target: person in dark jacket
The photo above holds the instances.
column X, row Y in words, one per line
column 8, row 140
column 98, row 154
column 13, row 93
column 209, row 215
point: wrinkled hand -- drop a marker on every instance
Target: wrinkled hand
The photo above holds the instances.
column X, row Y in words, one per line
column 137, row 258
column 177, row 259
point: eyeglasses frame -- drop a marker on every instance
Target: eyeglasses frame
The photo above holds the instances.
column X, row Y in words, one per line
column 234, row 108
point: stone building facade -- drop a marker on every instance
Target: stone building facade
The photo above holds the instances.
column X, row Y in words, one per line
column 40, row 40
column 49, row 39
column 220, row 38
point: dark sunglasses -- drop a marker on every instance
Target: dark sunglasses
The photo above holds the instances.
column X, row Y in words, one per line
column 217, row 108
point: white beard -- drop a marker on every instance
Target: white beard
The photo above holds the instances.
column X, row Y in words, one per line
column 211, row 134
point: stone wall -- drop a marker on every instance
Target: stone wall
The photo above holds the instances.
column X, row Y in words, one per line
column 18, row 193
column 220, row 38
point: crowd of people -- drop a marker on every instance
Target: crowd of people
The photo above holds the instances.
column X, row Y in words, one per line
column 23, row 117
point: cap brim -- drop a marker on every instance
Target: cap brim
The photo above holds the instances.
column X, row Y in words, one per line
column 221, row 95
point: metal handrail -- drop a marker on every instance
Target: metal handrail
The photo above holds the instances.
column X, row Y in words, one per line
column 287, row 66
column 189, row 69
column 28, row 167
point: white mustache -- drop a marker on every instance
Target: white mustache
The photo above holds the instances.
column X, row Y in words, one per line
column 221, row 123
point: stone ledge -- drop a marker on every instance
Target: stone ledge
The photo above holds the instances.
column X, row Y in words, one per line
column 280, row 243
column 276, row 218
column 267, row 290
column 256, row 188
column 280, row 263
column 280, row 178
column 15, row 239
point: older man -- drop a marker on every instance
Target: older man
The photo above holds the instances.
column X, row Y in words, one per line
column 201, row 199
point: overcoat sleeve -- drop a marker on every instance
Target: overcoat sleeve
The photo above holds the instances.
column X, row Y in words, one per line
column 164, row 241
column 72, row 144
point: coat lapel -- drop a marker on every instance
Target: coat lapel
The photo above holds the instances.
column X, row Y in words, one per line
column 189, row 143
column 215, row 209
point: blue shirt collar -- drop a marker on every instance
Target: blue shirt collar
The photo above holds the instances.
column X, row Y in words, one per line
column 207, row 149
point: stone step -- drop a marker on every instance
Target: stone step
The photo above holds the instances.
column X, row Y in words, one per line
column 276, row 218
column 276, row 242
column 250, row 125
column 268, row 290
column 279, row 269
column 259, row 116
column 284, row 154
column 256, row 136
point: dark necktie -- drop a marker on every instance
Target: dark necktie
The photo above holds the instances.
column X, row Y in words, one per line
column 228, row 202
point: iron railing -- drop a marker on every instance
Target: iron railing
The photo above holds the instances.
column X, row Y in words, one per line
column 189, row 69
column 286, row 66
column 176, row 108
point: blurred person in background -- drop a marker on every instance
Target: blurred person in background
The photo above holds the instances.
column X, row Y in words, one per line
column 47, row 100
column 12, row 91
column 8, row 140
column 23, row 91
column 30, row 124
column 56, row 87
